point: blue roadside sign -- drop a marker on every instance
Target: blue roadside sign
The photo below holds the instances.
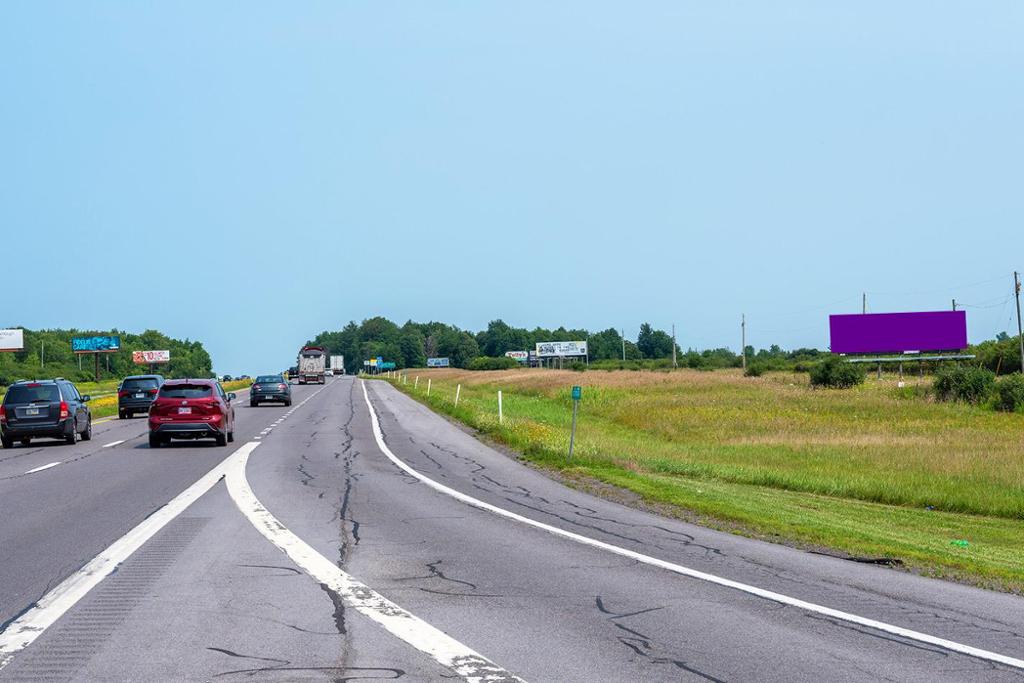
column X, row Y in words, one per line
column 577, row 393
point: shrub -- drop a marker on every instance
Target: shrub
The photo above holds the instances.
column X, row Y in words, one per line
column 578, row 366
column 491, row 363
column 754, row 370
column 1010, row 393
column 964, row 383
column 836, row 373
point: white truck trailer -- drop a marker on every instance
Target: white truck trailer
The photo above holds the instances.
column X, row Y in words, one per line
column 312, row 363
column 338, row 365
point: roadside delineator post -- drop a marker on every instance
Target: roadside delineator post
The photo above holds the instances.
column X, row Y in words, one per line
column 458, row 390
column 577, row 394
column 501, row 418
column 429, row 380
column 416, row 384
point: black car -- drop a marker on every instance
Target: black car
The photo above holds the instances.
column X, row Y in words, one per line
column 44, row 408
column 270, row 388
column 136, row 394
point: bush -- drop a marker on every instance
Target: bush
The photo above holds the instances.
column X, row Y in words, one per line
column 578, row 366
column 964, row 383
column 836, row 373
column 754, row 370
column 491, row 363
column 1010, row 393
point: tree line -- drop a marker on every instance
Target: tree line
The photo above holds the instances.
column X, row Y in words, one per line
column 47, row 353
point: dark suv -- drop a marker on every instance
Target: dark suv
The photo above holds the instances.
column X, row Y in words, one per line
column 44, row 407
column 136, row 394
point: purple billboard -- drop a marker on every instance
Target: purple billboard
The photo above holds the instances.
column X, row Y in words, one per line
column 898, row 332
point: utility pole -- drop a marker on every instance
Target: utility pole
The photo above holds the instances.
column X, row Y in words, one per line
column 954, row 304
column 623, row 345
column 674, row 363
column 743, row 335
column 42, row 354
column 864, row 302
column 1020, row 334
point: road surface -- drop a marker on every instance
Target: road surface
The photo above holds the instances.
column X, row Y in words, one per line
column 331, row 544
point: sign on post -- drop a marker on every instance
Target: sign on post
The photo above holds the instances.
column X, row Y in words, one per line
column 12, row 340
column 577, row 394
column 520, row 356
column 437, row 363
column 151, row 357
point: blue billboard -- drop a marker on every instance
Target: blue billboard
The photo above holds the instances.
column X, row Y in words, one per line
column 97, row 344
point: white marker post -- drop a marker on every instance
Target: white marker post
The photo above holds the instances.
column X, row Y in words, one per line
column 458, row 390
column 429, row 380
column 416, row 384
column 501, row 418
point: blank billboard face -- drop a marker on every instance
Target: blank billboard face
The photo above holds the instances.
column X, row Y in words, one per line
column 898, row 332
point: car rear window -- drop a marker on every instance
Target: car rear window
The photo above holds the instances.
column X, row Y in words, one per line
column 269, row 379
column 141, row 383
column 27, row 393
column 186, row 391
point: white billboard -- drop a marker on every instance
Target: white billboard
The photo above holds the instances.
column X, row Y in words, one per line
column 521, row 356
column 561, row 348
column 12, row 340
column 151, row 356
column 438, row 363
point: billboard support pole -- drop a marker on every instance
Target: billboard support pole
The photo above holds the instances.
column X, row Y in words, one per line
column 1020, row 334
column 97, row 357
column 743, row 339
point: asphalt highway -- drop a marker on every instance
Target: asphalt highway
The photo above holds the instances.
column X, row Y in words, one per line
column 329, row 543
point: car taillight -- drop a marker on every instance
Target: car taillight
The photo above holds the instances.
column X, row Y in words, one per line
column 151, row 392
column 3, row 415
column 122, row 394
column 64, row 413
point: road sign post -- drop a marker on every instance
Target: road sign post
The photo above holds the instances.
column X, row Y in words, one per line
column 577, row 394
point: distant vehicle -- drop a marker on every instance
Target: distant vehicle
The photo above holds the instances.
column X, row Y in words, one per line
column 338, row 365
column 270, row 388
column 226, row 378
column 191, row 409
column 44, row 408
column 328, row 373
column 293, row 372
column 244, row 377
column 312, row 363
column 136, row 394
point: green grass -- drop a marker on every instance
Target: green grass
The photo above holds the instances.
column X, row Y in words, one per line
column 869, row 471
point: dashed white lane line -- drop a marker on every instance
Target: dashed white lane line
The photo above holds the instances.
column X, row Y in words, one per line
column 44, row 467
column 447, row 651
column 21, row 632
column 113, row 443
column 686, row 571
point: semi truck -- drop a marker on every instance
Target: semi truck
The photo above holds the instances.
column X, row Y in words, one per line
column 338, row 365
column 312, row 363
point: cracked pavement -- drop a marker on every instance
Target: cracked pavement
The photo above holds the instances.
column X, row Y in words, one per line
column 221, row 603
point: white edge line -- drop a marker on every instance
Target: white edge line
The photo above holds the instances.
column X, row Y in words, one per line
column 21, row 632
column 113, row 443
column 44, row 467
column 686, row 571
column 447, row 651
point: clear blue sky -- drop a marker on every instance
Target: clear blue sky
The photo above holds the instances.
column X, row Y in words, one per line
column 249, row 174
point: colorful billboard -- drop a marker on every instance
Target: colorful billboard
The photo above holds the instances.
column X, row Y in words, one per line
column 437, row 362
column 12, row 340
column 521, row 356
column 898, row 332
column 97, row 344
column 151, row 356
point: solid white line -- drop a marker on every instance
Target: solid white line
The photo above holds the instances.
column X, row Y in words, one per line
column 21, row 632
column 113, row 443
column 447, row 651
column 686, row 571
column 44, row 467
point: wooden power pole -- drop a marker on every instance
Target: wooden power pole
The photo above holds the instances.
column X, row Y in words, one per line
column 1020, row 334
column 743, row 338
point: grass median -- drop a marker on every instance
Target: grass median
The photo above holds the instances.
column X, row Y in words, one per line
column 872, row 472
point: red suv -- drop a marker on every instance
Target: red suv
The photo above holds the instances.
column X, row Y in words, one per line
column 191, row 409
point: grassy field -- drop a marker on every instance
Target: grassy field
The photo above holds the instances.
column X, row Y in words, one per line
column 872, row 472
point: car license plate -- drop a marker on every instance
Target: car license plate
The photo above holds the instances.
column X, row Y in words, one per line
column 184, row 411
column 140, row 396
column 31, row 411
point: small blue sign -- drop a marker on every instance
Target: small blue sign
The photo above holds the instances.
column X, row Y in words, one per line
column 577, row 393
